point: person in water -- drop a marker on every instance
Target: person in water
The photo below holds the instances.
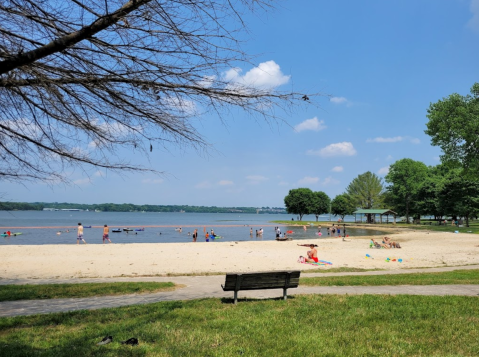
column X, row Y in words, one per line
column 106, row 232
column 207, row 237
column 80, row 234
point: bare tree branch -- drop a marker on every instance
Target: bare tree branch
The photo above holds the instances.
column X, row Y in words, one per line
column 82, row 79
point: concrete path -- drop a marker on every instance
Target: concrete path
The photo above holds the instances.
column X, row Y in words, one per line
column 199, row 287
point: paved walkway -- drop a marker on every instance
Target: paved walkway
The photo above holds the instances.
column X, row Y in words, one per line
column 199, row 287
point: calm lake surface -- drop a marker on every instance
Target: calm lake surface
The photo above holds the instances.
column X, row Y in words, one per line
column 42, row 227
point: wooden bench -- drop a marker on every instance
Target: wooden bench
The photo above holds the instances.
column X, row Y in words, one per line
column 261, row 280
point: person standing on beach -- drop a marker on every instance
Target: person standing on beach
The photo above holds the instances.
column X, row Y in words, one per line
column 106, row 231
column 80, row 234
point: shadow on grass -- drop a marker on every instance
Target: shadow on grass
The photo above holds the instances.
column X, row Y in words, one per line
column 245, row 300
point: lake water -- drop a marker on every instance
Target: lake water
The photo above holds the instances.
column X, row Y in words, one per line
column 41, row 227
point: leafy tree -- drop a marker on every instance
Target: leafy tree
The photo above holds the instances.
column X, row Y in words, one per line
column 460, row 197
column 366, row 191
column 320, row 204
column 342, row 205
column 428, row 197
column 80, row 80
column 299, row 201
column 405, row 177
column 454, row 127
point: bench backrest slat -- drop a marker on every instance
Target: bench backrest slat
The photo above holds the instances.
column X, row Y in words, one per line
column 265, row 280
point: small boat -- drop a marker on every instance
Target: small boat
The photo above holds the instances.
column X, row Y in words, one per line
column 86, row 226
column 140, row 229
column 116, row 230
column 283, row 239
column 127, row 230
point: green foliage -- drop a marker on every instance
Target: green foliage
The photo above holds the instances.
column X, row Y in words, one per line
column 366, row 190
column 320, row 204
column 299, row 201
column 56, row 291
column 405, row 178
column 304, row 325
column 454, row 127
column 342, row 205
column 460, row 197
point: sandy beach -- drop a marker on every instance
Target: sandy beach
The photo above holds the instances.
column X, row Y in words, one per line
column 419, row 249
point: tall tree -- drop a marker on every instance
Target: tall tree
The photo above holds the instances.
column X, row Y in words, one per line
column 342, row 205
column 80, row 80
column 405, row 178
column 460, row 197
column 454, row 127
column 366, row 191
column 299, row 201
column 320, row 204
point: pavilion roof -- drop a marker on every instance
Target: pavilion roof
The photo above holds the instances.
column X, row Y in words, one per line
column 375, row 211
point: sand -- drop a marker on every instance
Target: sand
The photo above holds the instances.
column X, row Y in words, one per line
column 419, row 249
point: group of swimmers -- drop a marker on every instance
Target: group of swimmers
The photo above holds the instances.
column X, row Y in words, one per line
column 208, row 235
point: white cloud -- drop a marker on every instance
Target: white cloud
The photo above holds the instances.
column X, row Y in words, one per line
column 266, row 76
column 203, row 185
column 310, row 124
column 256, row 179
column 207, row 81
column 383, row 170
column 337, row 169
column 329, row 181
column 99, row 174
column 308, row 180
column 152, row 181
column 92, row 145
column 225, row 183
column 181, row 105
column 283, row 183
column 389, row 158
column 394, row 139
column 474, row 21
column 84, row 181
column 339, row 100
column 339, row 149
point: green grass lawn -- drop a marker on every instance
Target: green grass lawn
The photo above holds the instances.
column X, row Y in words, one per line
column 54, row 291
column 310, row 325
column 473, row 225
column 443, row 278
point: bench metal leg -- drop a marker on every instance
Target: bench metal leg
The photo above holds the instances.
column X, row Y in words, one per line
column 285, row 294
column 236, row 297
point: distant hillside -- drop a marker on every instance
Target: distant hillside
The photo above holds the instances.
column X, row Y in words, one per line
column 128, row 207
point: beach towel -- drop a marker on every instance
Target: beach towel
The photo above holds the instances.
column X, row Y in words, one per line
column 320, row 262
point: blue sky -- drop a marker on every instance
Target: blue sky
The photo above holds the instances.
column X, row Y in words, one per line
column 381, row 63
